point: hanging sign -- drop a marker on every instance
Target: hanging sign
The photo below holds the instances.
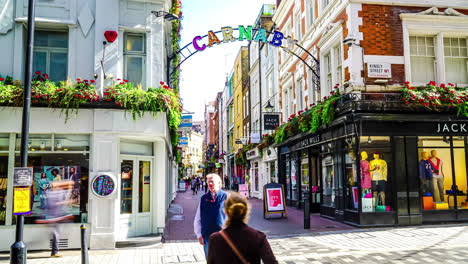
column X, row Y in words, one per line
column 274, row 200
column 254, row 138
column 270, row 121
column 22, row 176
column 185, row 123
column 103, row 185
column 21, row 201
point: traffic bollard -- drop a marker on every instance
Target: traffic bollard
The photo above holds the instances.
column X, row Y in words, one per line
column 306, row 210
column 84, row 246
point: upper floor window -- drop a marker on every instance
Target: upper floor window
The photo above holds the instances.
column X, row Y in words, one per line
column 324, row 4
column 51, row 54
column 298, row 27
column 333, row 69
column 310, row 12
column 422, row 51
column 135, row 58
column 456, row 60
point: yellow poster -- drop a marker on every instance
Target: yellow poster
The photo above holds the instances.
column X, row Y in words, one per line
column 21, row 201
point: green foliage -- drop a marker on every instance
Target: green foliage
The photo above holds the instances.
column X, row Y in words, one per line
column 175, row 36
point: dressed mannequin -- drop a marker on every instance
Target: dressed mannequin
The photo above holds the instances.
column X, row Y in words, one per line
column 426, row 171
column 378, row 169
column 438, row 177
column 365, row 173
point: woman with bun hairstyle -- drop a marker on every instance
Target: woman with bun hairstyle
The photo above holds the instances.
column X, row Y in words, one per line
column 238, row 243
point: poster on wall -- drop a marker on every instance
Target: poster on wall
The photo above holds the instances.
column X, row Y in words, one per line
column 44, row 178
column 273, row 196
column 21, row 202
column 244, row 190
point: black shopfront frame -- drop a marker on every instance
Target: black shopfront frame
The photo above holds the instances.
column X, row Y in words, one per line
column 403, row 131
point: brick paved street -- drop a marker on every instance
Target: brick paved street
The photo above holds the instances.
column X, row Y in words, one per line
column 422, row 244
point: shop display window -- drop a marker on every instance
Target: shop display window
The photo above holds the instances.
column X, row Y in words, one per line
column 126, row 188
column 144, row 196
column 305, row 172
column 4, row 142
column 376, row 174
column 49, row 168
column 328, row 181
column 442, row 173
column 288, row 177
column 36, row 142
column 3, row 186
column 272, row 172
column 351, row 183
column 293, row 180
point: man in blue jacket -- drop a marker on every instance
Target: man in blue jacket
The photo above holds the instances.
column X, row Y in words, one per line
column 210, row 215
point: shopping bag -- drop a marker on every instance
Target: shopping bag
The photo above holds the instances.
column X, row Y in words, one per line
column 367, row 205
column 380, row 208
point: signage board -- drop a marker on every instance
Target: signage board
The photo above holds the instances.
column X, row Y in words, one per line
column 185, row 123
column 22, row 201
column 379, row 70
column 103, row 185
column 244, row 190
column 238, row 141
column 271, row 121
column 274, row 200
column 22, row 176
column 183, row 141
column 252, row 153
column 254, row 138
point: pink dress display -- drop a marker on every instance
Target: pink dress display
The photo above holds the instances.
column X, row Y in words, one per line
column 365, row 175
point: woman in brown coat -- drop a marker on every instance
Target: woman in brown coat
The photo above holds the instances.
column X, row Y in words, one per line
column 250, row 244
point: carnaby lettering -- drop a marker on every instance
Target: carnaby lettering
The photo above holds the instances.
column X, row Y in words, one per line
column 451, row 128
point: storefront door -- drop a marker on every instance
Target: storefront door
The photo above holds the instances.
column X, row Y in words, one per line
column 135, row 196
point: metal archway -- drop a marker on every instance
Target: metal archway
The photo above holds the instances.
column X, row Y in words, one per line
column 189, row 50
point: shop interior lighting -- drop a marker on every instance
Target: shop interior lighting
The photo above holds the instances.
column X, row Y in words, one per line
column 59, row 144
column 42, row 145
column 369, row 140
column 65, row 149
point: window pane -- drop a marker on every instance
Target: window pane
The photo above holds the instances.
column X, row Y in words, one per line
column 435, row 175
column 71, row 142
column 135, row 70
column 293, row 180
column 40, row 61
column 135, row 43
column 3, row 186
column 58, row 39
column 456, row 70
column 327, row 181
column 4, row 142
column 126, row 168
column 36, row 142
column 288, row 177
column 305, row 173
column 460, row 178
column 145, row 190
column 351, row 181
column 58, row 66
column 422, row 69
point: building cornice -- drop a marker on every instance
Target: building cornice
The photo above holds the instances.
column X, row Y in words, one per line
column 458, row 4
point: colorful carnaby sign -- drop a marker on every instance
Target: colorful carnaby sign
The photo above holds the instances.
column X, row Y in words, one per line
column 227, row 35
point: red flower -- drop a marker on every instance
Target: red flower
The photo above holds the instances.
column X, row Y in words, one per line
column 166, row 87
column 85, row 81
column 38, row 73
column 126, row 81
column 407, row 83
column 161, row 82
column 76, row 95
column 92, row 81
column 118, row 79
column 1, row 79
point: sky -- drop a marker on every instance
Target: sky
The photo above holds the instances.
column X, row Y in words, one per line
column 203, row 75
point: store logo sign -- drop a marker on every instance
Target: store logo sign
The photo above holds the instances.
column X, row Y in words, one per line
column 309, row 141
column 452, row 128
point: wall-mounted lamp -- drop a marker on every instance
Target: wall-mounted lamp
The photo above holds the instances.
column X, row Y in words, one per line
column 42, row 144
column 58, row 144
column 168, row 16
column 369, row 140
column 269, row 107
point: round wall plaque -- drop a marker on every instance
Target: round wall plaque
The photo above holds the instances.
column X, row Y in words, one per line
column 103, row 185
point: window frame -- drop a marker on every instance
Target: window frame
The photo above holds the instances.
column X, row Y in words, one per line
column 135, row 54
column 48, row 50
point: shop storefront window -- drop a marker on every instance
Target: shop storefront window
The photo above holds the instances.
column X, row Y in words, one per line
column 288, row 177
column 126, row 188
column 327, row 181
column 442, row 172
column 375, row 170
column 255, row 176
column 144, row 195
column 305, row 172
column 36, row 142
column 3, row 186
column 50, row 168
column 293, row 180
column 352, row 195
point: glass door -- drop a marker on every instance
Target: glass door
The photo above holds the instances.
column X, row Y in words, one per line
column 135, row 196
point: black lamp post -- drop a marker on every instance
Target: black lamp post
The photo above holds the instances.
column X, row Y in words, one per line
column 269, row 107
column 18, row 250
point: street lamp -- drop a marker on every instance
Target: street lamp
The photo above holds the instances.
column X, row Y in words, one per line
column 168, row 16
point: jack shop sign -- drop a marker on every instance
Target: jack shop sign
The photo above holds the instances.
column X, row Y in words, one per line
column 270, row 121
column 439, row 128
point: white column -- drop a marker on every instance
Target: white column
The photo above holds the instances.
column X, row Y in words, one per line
column 440, row 59
column 159, row 188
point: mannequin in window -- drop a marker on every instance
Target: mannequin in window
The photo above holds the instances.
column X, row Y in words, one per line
column 365, row 173
column 426, row 171
column 438, row 177
column 378, row 169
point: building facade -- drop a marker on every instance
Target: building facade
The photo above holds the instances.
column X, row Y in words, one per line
column 96, row 141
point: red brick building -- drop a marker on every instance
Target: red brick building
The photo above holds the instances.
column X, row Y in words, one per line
column 363, row 168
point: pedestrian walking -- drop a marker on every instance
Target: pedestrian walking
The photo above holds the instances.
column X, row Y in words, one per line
column 206, row 185
column 238, row 243
column 194, row 186
column 210, row 216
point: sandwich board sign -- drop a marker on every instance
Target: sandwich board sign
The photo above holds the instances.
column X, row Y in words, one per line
column 274, row 200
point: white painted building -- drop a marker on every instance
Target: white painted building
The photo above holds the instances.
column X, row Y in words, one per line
column 135, row 155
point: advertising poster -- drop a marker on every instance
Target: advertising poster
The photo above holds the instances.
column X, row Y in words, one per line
column 244, row 189
column 44, row 177
column 275, row 199
column 21, row 201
